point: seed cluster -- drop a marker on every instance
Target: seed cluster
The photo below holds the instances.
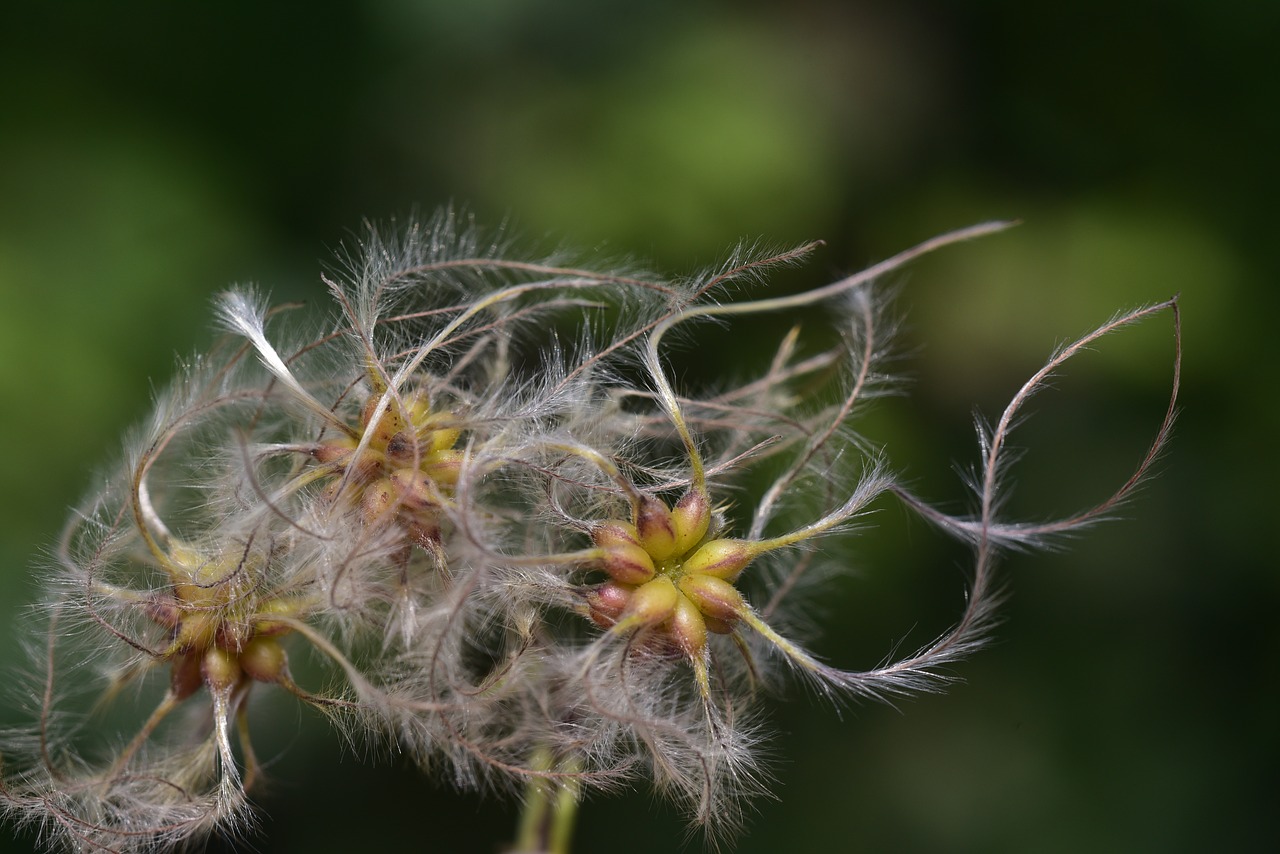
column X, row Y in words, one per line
column 397, row 466
column 668, row 575
column 223, row 632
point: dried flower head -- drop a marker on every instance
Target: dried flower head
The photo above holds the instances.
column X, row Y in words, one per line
column 529, row 557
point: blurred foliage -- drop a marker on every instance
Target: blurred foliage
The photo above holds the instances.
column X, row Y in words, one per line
column 151, row 153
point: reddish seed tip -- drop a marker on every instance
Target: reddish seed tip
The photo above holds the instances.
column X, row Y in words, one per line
column 688, row 628
column 714, row 597
column 607, row 603
column 628, row 563
column 339, row 454
column 656, row 527
column 185, row 678
column 232, row 636
column 423, row 530
column 720, row 558
column 164, row 610
column 692, row 518
column 654, row 601
column 615, row 532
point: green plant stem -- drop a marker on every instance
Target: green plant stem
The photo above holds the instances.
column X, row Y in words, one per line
column 550, row 806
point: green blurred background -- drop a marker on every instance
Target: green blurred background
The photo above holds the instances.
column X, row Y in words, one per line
column 152, row 153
